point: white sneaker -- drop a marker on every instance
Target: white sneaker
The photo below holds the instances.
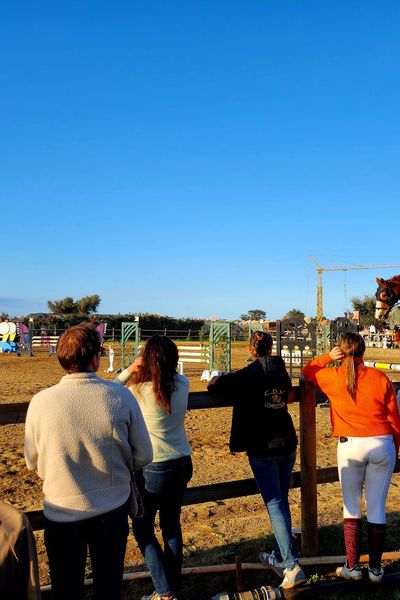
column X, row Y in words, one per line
column 269, row 560
column 375, row 575
column 353, row 574
column 292, row 578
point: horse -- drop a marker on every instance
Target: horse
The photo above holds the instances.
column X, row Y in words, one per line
column 387, row 295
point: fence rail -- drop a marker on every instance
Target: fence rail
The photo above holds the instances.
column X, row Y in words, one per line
column 307, row 479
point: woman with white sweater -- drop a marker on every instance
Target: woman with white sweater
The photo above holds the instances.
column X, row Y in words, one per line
column 82, row 436
column 162, row 395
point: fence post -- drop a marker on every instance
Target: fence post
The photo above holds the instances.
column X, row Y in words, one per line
column 278, row 338
column 308, row 470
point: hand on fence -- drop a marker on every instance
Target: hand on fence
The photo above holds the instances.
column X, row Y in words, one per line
column 214, row 379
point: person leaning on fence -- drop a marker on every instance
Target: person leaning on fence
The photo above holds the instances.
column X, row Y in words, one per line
column 82, row 436
column 262, row 427
column 163, row 397
column 365, row 419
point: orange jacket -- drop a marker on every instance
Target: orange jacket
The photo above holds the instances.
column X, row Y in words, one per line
column 374, row 410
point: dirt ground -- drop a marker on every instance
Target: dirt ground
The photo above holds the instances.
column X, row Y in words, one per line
column 208, row 528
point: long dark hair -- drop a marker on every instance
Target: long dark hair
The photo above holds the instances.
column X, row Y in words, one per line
column 353, row 346
column 160, row 359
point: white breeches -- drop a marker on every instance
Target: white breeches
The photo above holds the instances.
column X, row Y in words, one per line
column 370, row 460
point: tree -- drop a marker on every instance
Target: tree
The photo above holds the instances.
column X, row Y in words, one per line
column 66, row 306
column 256, row 314
column 83, row 307
column 88, row 304
column 366, row 310
column 294, row 313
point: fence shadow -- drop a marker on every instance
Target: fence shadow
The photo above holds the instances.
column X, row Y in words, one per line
column 321, row 579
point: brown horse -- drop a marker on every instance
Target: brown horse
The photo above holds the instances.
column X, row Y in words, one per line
column 387, row 295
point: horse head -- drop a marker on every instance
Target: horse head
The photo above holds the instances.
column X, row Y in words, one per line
column 386, row 298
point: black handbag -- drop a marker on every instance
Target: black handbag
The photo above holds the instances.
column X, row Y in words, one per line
column 135, row 502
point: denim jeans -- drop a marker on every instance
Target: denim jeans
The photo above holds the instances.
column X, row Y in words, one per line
column 162, row 485
column 272, row 474
column 67, row 544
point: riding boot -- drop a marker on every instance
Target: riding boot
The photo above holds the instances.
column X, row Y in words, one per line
column 376, row 540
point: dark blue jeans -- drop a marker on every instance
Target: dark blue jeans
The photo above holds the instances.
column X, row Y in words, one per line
column 162, row 486
column 67, row 545
column 272, row 474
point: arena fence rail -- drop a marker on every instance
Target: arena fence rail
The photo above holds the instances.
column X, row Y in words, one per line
column 307, row 478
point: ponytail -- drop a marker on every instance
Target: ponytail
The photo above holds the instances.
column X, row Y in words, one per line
column 260, row 343
column 353, row 346
column 351, row 376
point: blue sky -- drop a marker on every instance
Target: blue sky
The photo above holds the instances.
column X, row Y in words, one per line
column 185, row 157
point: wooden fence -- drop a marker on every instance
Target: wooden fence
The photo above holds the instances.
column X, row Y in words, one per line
column 306, row 479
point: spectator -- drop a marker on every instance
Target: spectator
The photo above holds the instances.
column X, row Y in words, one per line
column 366, row 421
column 262, row 427
column 83, row 436
column 163, row 397
column 19, row 571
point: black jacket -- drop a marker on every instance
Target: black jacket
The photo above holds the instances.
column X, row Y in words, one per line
column 261, row 423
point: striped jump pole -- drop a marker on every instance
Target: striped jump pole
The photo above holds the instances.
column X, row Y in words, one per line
column 383, row 366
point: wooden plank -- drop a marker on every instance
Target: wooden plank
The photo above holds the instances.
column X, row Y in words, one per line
column 36, row 519
column 197, row 495
column 13, row 412
column 308, row 469
column 221, row 491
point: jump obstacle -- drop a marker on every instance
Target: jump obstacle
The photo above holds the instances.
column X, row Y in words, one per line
column 44, row 341
column 8, row 332
column 378, row 340
column 216, row 356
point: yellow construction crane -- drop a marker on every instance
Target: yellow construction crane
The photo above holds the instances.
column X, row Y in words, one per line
column 320, row 312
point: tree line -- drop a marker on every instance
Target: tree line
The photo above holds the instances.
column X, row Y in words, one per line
column 67, row 312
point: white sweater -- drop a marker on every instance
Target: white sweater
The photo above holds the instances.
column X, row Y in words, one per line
column 79, row 435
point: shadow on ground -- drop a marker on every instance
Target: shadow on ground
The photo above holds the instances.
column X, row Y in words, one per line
column 322, row 582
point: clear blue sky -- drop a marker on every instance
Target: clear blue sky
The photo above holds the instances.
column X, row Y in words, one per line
column 185, row 157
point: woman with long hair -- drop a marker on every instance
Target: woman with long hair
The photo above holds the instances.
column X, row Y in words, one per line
column 162, row 395
column 262, row 427
column 365, row 419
